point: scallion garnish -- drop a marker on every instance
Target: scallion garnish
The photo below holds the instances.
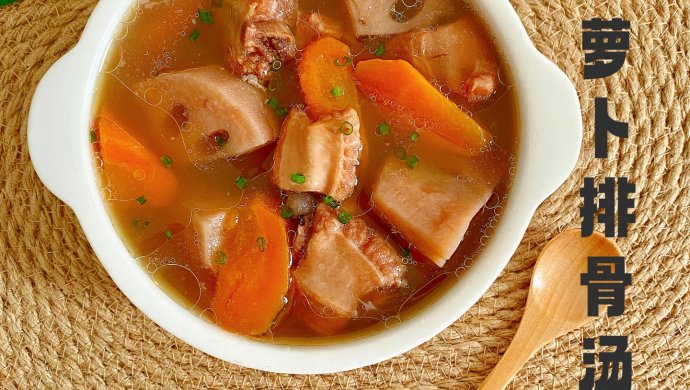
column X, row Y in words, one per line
column 220, row 137
column 344, row 217
column 241, row 182
column 140, row 223
column 205, row 16
column 281, row 111
column 343, row 61
column 298, row 178
column 220, row 141
column 380, row 50
column 337, row 91
column 330, row 201
column 400, row 153
column 221, row 258
column 194, row 35
column 276, row 107
column 168, row 234
column 412, row 161
column 92, row 137
column 414, row 136
column 346, row 128
column 383, row 128
column 286, row 212
column 261, row 243
column 166, row 161
column 273, row 103
column 141, row 200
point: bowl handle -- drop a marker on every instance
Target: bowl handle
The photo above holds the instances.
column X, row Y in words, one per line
column 555, row 122
column 55, row 123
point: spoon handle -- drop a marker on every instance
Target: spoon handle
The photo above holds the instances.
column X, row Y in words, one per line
column 524, row 345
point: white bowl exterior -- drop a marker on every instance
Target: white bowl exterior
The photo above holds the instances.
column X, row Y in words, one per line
column 59, row 121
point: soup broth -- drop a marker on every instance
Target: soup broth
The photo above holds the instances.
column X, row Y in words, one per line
column 183, row 215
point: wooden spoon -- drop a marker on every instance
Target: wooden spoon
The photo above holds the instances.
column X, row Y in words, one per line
column 556, row 303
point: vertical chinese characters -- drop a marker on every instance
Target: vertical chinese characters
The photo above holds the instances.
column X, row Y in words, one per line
column 610, row 203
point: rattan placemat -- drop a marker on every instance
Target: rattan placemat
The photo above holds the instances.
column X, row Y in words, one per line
column 64, row 324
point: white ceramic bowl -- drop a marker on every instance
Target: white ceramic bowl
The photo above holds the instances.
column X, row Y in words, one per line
column 59, row 124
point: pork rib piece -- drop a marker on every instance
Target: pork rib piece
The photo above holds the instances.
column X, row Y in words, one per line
column 257, row 34
column 458, row 54
column 343, row 262
column 325, row 154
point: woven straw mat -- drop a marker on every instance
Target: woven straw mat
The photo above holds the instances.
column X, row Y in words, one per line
column 64, row 324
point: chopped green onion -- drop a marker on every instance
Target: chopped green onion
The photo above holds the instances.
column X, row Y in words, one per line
column 298, row 178
column 400, row 153
column 343, row 61
column 337, row 91
column 346, row 128
column 140, row 223
column 205, row 16
column 406, row 253
column 281, row 111
column 168, row 234
column 166, row 161
column 194, row 35
column 261, row 243
column 380, row 50
column 412, row 161
column 383, row 129
column 241, row 182
column 273, row 103
column 220, row 137
column 344, row 217
column 330, row 201
column 141, row 200
column 220, row 141
column 414, row 136
column 286, row 212
column 221, row 258
column 92, row 137
column 276, row 107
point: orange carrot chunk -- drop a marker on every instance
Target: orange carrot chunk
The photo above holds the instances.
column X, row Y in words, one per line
column 253, row 271
column 132, row 171
column 404, row 96
column 325, row 76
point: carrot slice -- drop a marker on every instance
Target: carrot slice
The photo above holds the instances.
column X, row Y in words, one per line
column 254, row 279
column 403, row 94
column 325, row 76
column 131, row 169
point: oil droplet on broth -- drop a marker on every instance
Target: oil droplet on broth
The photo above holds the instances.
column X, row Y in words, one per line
column 180, row 280
column 139, row 174
column 153, row 96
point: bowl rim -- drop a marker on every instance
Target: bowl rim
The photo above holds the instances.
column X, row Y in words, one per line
column 61, row 154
